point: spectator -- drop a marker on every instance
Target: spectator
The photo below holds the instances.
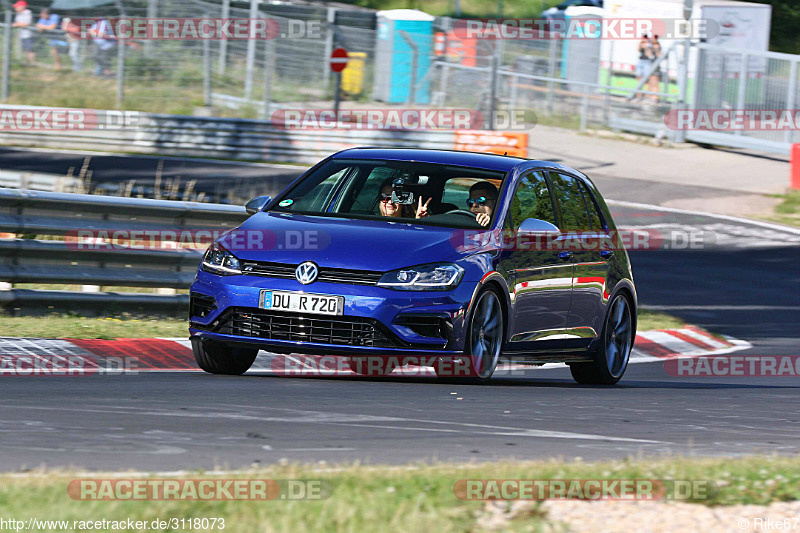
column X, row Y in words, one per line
column 645, row 49
column 652, row 83
column 24, row 20
column 73, row 31
column 50, row 23
column 104, row 43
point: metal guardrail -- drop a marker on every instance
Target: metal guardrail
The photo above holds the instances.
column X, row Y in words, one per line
column 224, row 138
column 32, row 260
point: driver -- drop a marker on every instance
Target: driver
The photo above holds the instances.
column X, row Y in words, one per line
column 482, row 200
column 390, row 209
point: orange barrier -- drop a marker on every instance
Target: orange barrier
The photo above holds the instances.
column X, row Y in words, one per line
column 493, row 142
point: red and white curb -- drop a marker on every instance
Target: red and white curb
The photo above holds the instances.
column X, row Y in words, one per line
column 99, row 356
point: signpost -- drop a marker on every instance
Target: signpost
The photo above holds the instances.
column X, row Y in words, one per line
column 683, row 78
column 338, row 63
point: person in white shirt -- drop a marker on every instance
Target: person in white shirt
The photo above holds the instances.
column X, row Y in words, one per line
column 24, row 20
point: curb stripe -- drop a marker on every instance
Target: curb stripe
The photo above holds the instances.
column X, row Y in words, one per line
column 650, row 347
column 151, row 353
column 667, row 340
column 699, row 334
column 175, row 354
column 692, row 340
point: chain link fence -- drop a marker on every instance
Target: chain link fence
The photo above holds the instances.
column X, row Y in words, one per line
column 747, row 81
column 570, row 83
column 234, row 77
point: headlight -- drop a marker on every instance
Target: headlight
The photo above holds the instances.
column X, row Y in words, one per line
column 218, row 260
column 433, row 277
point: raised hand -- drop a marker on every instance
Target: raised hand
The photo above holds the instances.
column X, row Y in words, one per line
column 422, row 209
column 483, row 219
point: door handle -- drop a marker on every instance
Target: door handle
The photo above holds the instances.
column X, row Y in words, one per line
column 606, row 253
column 565, row 255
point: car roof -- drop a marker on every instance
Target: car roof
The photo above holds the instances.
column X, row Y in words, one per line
column 486, row 161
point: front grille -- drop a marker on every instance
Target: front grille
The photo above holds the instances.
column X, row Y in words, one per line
column 275, row 325
column 326, row 274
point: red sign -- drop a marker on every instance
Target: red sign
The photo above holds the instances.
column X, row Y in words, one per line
column 338, row 59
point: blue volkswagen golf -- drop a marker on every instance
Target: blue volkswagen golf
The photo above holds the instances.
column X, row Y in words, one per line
column 454, row 260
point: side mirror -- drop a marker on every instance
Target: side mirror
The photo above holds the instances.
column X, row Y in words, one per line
column 257, row 204
column 536, row 226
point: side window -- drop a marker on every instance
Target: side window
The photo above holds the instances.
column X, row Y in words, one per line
column 573, row 207
column 366, row 202
column 320, row 196
column 531, row 200
column 594, row 212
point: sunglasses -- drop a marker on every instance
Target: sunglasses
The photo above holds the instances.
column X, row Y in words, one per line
column 386, row 198
column 480, row 200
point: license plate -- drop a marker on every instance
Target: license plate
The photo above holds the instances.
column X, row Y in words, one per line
column 302, row 302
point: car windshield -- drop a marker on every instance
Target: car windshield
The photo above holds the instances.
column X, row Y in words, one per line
column 356, row 188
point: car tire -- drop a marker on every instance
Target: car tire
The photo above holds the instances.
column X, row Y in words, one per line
column 484, row 340
column 614, row 348
column 371, row 367
column 217, row 358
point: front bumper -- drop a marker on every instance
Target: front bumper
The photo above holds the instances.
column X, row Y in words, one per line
column 390, row 310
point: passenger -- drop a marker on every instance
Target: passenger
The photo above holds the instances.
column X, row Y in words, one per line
column 390, row 209
column 482, row 200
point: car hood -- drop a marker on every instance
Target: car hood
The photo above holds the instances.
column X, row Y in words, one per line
column 377, row 245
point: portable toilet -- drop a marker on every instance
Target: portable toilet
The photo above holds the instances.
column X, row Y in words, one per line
column 580, row 58
column 394, row 55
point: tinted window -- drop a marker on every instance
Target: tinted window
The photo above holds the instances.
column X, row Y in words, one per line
column 594, row 212
column 352, row 188
column 569, row 195
column 531, row 200
column 366, row 200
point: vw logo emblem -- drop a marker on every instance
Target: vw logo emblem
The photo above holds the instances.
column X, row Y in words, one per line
column 306, row 272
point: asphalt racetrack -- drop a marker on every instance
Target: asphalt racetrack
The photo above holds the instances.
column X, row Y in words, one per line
column 742, row 281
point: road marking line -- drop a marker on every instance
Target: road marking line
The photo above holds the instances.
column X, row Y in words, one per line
column 787, row 229
column 345, row 419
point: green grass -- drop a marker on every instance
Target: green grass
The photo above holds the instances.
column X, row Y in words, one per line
column 788, row 211
column 400, row 499
column 654, row 320
column 80, row 327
